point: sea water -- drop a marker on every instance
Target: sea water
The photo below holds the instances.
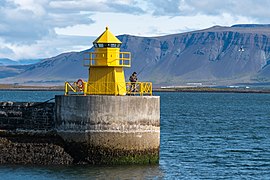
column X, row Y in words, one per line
column 203, row 136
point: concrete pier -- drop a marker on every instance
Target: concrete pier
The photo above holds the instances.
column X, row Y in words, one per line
column 110, row 129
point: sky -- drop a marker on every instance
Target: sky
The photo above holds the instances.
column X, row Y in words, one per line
column 38, row 29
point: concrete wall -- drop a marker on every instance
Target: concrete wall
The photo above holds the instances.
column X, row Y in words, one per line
column 82, row 113
column 26, row 115
column 117, row 126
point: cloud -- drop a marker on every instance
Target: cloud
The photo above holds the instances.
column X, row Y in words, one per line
column 126, row 8
column 6, row 51
column 119, row 6
column 26, row 21
column 78, row 5
column 46, row 47
column 26, row 24
column 165, row 7
column 258, row 10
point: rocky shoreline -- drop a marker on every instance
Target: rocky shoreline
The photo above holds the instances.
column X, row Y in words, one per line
column 48, row 148
column 32, row 148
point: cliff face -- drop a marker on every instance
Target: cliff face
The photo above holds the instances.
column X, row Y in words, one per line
column 218, row 55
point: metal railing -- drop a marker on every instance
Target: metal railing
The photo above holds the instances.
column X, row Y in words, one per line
column 139, row 88
column 97, row 59
column 75, row 88
column 110, row 88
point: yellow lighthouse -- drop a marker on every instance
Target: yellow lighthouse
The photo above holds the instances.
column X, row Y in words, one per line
column 106, row 66
column 106, row 71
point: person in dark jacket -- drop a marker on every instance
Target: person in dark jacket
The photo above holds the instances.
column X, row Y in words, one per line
column 133, row 79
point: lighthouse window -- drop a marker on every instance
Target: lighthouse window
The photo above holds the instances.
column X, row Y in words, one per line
column 110, row 45
column 113, row 45
column 104, row 45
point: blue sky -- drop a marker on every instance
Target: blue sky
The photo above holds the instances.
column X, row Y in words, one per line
column 45, row 28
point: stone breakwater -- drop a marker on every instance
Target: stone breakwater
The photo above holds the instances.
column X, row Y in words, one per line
column 27, row 116
column 81, row 130
column 32, row 148
column 28, row 136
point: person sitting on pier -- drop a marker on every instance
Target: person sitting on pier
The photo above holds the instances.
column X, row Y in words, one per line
column 133, row 79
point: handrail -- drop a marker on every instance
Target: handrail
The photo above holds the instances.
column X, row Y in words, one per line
column 75, row 88
column 110, row 88
column 139, row 88
column 136, row 88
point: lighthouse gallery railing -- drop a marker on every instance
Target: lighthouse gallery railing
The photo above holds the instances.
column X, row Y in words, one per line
column 136, row 88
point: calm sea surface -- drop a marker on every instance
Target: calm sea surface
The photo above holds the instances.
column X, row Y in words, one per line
column 203, row 136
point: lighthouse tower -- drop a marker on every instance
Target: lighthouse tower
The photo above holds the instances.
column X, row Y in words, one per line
column 102, row 124
column 106, row 66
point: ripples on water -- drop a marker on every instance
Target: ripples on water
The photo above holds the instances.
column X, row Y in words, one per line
column 81, row 172
column 203, row 136
column 215, row 136
column 28, row 96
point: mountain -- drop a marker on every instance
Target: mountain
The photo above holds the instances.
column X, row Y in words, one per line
column 8, row 62
column 55, row 70
column 28, row 61
column 11, row 68
column 218, row 56
column 214, row 56
column 11, row 71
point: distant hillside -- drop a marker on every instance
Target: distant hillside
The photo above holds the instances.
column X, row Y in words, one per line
column 55, row 70
column 218, row 55
column 252, row 25
column 213, row 56
column 11, row 68
column 8, row 62
column 11, row 71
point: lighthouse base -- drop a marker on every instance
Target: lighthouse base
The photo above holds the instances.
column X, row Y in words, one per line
column 110, row 129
